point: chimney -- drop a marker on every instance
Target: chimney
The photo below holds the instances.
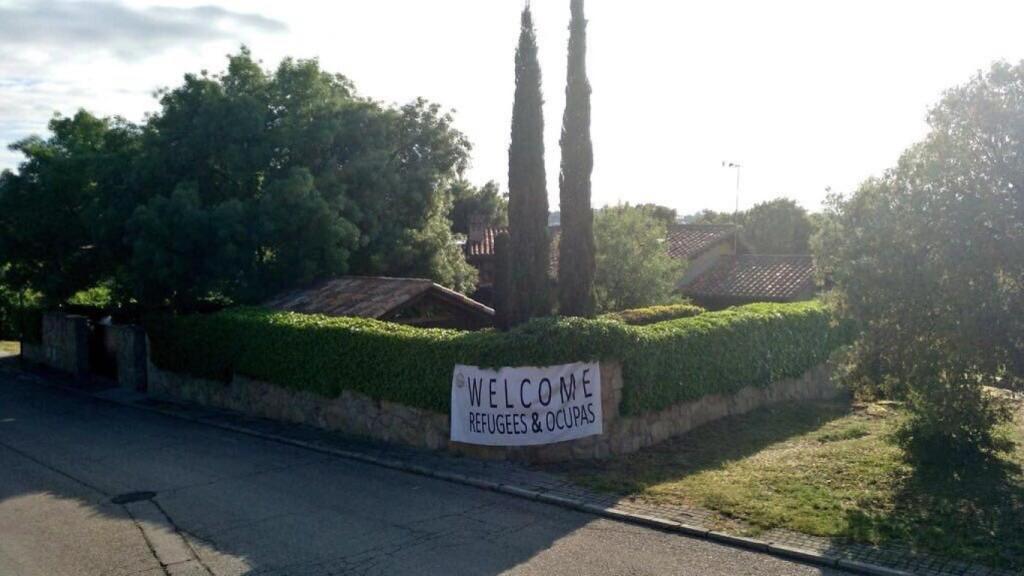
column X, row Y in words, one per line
column 476, row 228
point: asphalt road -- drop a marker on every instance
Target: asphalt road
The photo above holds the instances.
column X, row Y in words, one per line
column 229, row 504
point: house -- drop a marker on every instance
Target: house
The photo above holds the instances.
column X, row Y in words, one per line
column 721, row 269
column 479, row 251
column 411, row 301
column 699, row 246
column 741, row 279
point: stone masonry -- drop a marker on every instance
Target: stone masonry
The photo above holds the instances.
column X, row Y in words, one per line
column 65, row 344
column 354, row 413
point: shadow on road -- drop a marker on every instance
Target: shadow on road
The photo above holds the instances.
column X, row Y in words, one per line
column 245, row 505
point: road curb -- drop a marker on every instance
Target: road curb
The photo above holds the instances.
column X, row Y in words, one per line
column 657, row 523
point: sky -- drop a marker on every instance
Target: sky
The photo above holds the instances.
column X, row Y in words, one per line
column 806, row 96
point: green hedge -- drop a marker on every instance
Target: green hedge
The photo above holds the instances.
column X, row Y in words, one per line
column 655, row 314
column 663, row 363
column 721, row 352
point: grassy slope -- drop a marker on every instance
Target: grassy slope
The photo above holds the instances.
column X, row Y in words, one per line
column 829, row 469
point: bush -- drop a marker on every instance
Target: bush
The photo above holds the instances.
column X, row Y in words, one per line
column 928, row 259
column 20, row 316
column 722, row 352
column 664, row 363
column 654, row 314
column 24, row 324
column 633, row 267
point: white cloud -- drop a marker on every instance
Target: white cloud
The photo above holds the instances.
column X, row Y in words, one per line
column 105, row 56
column 128, row 32
column 806, row 94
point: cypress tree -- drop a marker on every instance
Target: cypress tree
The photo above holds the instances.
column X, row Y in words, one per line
column 576, row 267
column 503, row 294
column 527, row 186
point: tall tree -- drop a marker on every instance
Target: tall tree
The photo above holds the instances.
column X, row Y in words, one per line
column 527, row 186
column 929, row 259
column 633, row 267
column 779, row 226
column 486, row 202
column 576, row 267
column 503, row 297
column 239, row 185
column 62, row 213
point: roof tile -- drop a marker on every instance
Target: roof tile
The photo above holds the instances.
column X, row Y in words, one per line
column 755, row 277
column 365, row 296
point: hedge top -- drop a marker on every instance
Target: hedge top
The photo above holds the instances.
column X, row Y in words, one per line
column 654, row 314
column 663, row 363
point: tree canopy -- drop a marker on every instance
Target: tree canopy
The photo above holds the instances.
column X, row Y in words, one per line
column 778, row 226
column 241, row 184
column 929, row 259
column 486, row 202
column 633, row 268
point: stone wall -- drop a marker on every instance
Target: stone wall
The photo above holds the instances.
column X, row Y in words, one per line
column 354, row 413
column 130, row 346
column 65, row 344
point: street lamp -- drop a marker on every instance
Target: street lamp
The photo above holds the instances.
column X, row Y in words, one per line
column 736, row 212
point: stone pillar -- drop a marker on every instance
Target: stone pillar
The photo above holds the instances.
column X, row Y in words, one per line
column 66, row 343
column 130, row 341
column 611, row 392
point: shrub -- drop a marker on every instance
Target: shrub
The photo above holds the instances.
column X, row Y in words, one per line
column 633, row 267
column 664, row 363
column 928, row 259
column 722, row 352
column 654, row 314
column 24, row 324
column 20, row 316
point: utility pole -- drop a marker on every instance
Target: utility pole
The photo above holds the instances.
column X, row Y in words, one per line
column 736, row 212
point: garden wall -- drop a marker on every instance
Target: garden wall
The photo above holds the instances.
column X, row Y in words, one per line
column 393, row 383
column 64, row 344
column 355, row 413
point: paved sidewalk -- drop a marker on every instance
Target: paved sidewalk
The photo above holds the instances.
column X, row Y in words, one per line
column 556, row 489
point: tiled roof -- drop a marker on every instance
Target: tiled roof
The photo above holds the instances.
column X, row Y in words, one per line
column 686, row 241
column 485, row 246
column 368, row 297
column 755, row 277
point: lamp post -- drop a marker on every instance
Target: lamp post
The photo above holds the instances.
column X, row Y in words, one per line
column 736, row 212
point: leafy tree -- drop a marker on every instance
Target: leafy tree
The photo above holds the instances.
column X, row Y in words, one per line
column 662, row 213
column 576, row 267
column 712, row 217
column 486, row 202
column 633, row 268
column 241, row 184
column 431, row 251
column 929, row 259
column 300, row 235
column 62, row 214
column 779, row 226
column 529, row 244
column 183, row 251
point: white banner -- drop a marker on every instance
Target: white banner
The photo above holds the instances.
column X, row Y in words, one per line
column 526, row 406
